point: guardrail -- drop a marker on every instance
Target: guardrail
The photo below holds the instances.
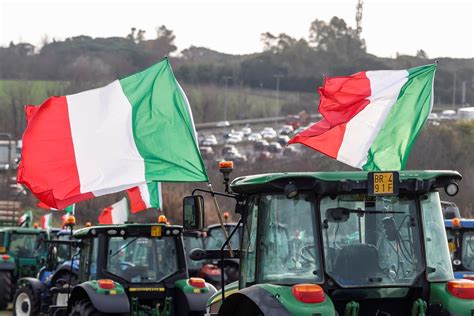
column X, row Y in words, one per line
column 248, row 121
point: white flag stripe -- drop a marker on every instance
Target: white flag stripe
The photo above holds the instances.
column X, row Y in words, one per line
column 101, row 143
column 120, row 211
column 145, row 194
column 361, row 130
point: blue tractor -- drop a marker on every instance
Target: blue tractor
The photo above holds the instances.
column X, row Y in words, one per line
column 460, row 233
column 35, row 295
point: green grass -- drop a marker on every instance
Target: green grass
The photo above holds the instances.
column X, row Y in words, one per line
column 33, row 91
column 207, row 101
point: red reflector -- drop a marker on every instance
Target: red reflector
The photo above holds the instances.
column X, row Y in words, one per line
column 106, row 284
column 308, row 293
column 197, row 282
column 461, row 288
column 6, row 257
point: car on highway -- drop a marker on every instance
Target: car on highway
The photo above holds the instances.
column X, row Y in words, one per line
column 268, row 132
column 286, row 130
column 228, row 148
column 209, row 140
column 246, row 131
column 283, row 140
column 233, row 140
column 206, row 152
column 448, row 115
column 236, row 157
column 275, row 147
column 254, row 137
column 260, row 144
column 299, row 130
column 223, row 124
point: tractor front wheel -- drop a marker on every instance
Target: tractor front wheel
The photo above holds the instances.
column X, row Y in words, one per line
column 26, row 302
column 5, row 289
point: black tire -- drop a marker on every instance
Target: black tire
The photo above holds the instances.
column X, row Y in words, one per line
column 83, row 308
column 5, row 289
column 28, row 301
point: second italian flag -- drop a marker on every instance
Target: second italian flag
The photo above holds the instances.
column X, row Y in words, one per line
column 372, row 118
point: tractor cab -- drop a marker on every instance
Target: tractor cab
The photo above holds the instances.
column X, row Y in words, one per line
column 22, row 251
column 343, row 243
column 136, row 269
column 460, row 234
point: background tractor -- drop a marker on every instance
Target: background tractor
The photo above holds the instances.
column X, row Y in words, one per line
column 134, row 269
column 340, row 243
column 461, row 245
column 22, row 254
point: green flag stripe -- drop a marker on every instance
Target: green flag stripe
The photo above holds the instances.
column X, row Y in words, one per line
column 162, row 126
column 392, row 146
column 154, row 188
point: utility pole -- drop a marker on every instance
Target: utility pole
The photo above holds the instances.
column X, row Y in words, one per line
column 454, row 91
column 277, row 107
column 226, row 79
column 463, row 94
column 359, row 17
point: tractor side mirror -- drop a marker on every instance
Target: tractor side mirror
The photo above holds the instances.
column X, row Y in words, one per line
column 52, row 258
column 193, row 212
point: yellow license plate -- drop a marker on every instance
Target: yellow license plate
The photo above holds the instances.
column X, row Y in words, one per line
column 383, row 183
column 156, row 231
column 452, row 246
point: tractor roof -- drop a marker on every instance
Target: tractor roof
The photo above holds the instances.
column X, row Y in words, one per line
column 22, row 230
column 465, row 223
column 341, row 181
column 136, row 229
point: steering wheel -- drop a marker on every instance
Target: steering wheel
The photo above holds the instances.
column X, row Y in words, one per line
column 308, row 253
column 125, row 265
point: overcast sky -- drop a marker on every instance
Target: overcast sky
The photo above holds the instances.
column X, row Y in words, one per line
column 443, row 28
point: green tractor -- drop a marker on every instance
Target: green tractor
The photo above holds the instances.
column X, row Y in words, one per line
column 133, row 269
column 22, row 254
column 339, row 243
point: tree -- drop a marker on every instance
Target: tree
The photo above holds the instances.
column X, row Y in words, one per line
column 337, row 38
column 421, row 54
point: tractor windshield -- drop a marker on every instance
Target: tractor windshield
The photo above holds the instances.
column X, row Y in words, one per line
column 216, row 238
column 468, row 250
column 142, row 259
column 371, row 241
column 26, row 245
column 286, row 241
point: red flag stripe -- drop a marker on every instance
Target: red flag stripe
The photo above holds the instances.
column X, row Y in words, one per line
column 341, row 98
column 105, row 216
column 136, row 201
column 48, row 155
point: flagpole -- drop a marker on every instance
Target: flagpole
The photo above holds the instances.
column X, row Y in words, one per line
column 219, row 216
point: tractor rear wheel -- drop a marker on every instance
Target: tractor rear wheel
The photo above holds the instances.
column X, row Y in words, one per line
column 84, row 307
column 27, row 302
column 5, row 289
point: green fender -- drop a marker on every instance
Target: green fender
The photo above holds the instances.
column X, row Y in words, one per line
column 454, row 305
column 285, row 296
column 113, row 301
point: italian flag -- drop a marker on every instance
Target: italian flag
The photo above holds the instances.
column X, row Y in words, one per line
column 145, row 196
column 26, row 219
column 133, row 131
column 117, row 213
column 372, row 118
column 47, row 221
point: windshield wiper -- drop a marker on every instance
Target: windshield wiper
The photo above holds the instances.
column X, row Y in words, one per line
column 122, row 248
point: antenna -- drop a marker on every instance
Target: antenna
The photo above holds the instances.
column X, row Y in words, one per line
column 359, row 17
